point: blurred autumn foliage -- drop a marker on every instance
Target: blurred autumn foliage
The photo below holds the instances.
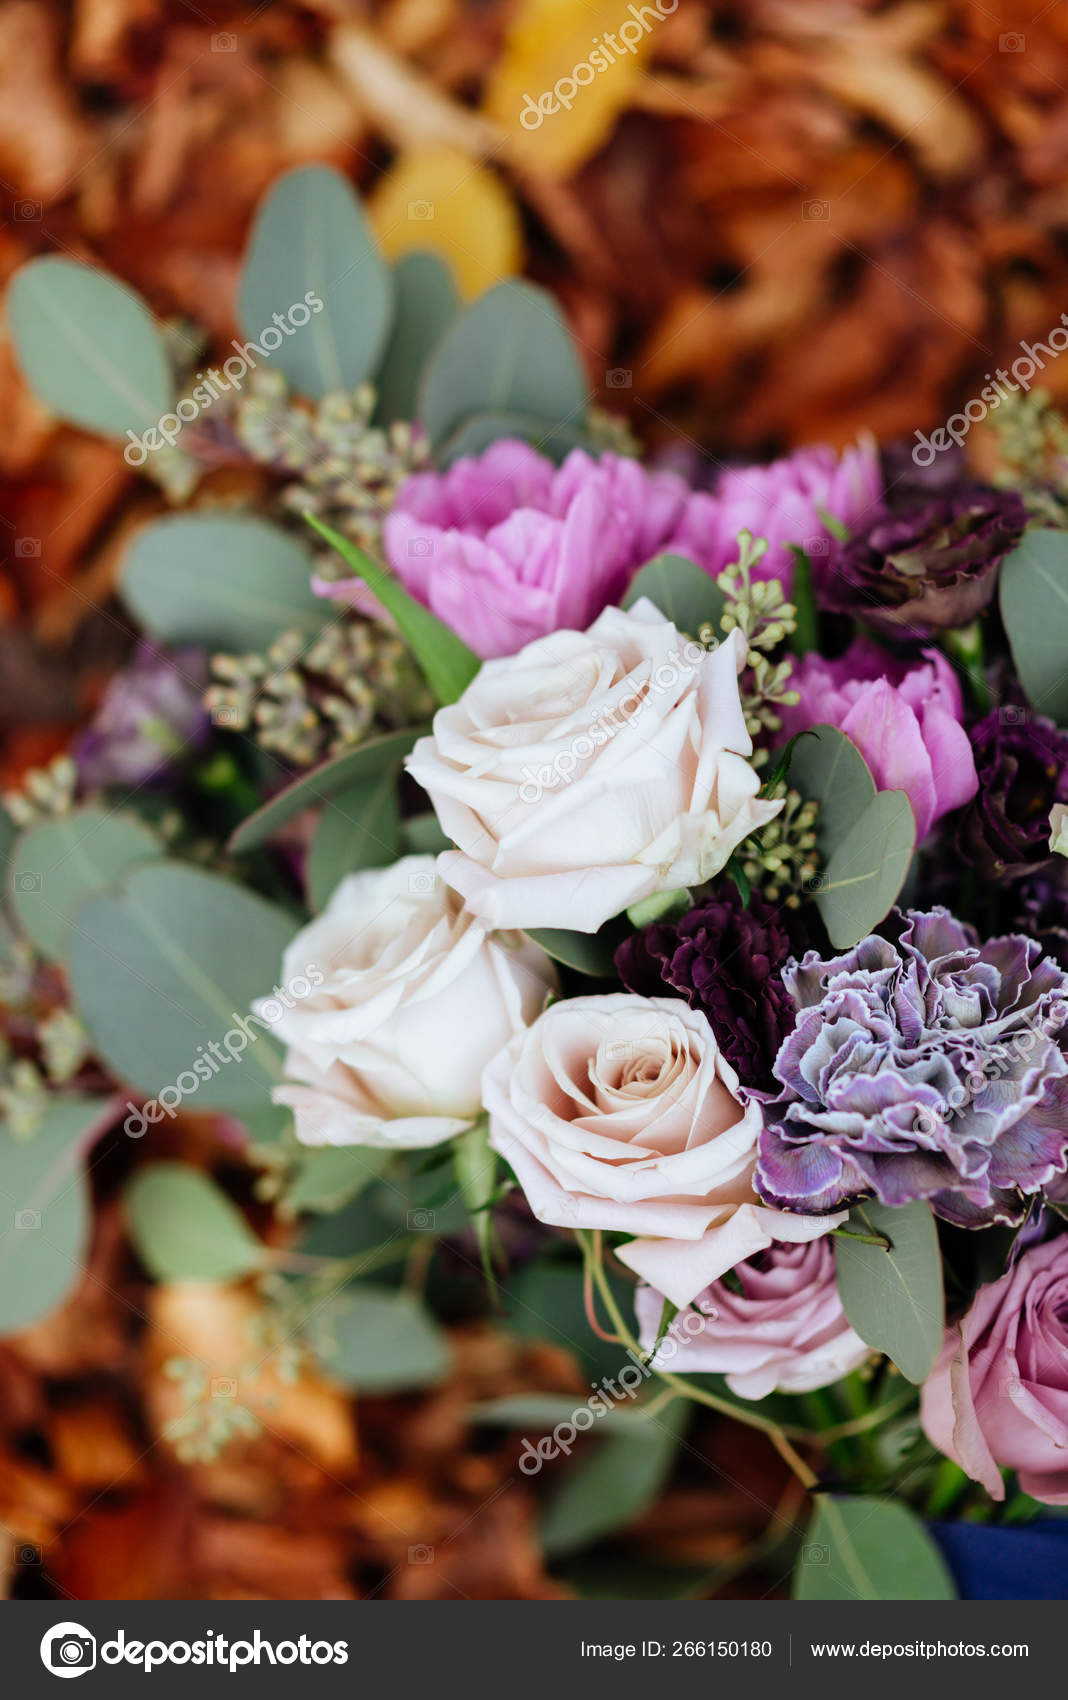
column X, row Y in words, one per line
column 775, row 221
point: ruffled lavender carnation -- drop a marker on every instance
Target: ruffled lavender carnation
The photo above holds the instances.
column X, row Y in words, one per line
column 1022, row 763
column 152, row 716
column 725, row 960
column 922, row 1065
column 930, row 568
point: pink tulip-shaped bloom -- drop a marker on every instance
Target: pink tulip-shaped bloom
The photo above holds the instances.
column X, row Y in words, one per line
column 998, row 1395
column 505, row 547
column 904, row 718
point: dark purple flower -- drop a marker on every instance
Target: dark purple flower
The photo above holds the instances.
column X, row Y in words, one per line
column 724, row 960
column 1022, row 763
column 929, row 568
column 921, row 1065
column 152, row 715
column 1042, row 908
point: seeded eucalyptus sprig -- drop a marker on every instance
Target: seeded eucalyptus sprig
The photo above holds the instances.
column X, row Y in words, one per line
column 782, row 860
column 760, row 611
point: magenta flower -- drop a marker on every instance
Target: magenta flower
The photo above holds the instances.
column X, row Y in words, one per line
column 905, row 720
column 787, row 503
column 505, row 547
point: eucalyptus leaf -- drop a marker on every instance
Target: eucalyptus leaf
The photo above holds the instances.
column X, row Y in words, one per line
column 331, row 1176
column 427, row 303
column 312, row 244
column 58, row 864
column 508, row 352
column 167, row 969
column 544, row 1301
column 869, row 1549
column 44, row 1225
column 358, row 828
column 861, row 882
column 684, row 593
column 89, row 347
column 592, row 954
column 226, row 580
column 481, row 430
column 184, row 1228
column 376, row 1340
column 422, row 835
column 540, row 1413
column 894, row 1298
column 445, row 660
column 1034, row 610
column 614, row 1485
column 827, row 768
column 375, row 757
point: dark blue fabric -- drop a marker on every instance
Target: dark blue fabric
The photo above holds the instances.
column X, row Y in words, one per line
column 1028, row 1563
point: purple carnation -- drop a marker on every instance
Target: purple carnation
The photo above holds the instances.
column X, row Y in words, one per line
column 152, row 716
column 922, row 1065
column 1022, row 763
column 725, row 960
column 929, row 569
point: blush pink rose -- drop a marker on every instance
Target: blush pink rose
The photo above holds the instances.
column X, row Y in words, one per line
column 905, row 720
column 620, row 1112
column 998, row 1395
column 785, row 1330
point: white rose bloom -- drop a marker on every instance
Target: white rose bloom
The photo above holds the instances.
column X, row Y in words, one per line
column 591, row 770
column 416, row 998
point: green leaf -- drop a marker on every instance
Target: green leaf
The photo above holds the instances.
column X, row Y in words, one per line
column 375, row 1340
column 323, row 782
column 184, row 1228
column 312, row 243
column 544, row 1301
column 358, row 828
column 445, row 660
column 894, row 1298
column 539, row 1413
column 427, row 302
column 226, row 580
column 331, row 1176
column 169, row 967
column 57, row 865
column 869, row 1549
column 477, row 434
column 508, row 352
column 592, row 954
column 1034, row 609
column 861, row 882
column 44, row 1225
column 614, row 1485
column 422, row 835
column 829, row 769
column 475, row 1162
column 89, row 347
column 684, row 593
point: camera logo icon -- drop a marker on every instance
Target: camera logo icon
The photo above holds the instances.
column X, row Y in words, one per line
column 68, row 1649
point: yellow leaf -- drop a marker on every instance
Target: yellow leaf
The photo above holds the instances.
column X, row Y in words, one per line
column 566, row 73
column 436, row 197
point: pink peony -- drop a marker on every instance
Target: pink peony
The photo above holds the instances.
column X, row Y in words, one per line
column 998, row 1395
column 785, row 1330
column 786, row 503
column 506, row 547
column 904, row 719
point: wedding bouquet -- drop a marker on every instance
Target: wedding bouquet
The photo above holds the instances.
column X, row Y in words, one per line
column 644, row 886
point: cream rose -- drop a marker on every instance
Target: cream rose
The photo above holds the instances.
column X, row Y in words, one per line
column 620, row 1112
column 590, row 771
column 415, row 998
